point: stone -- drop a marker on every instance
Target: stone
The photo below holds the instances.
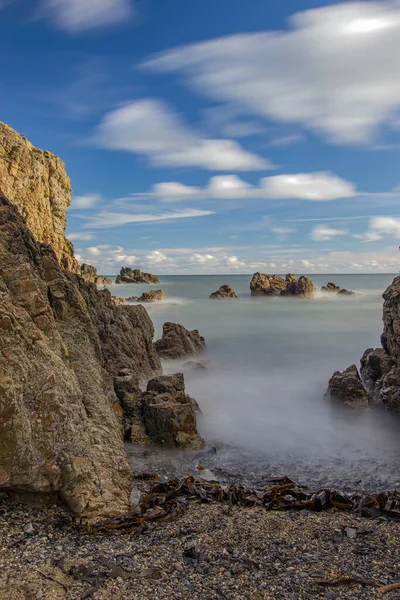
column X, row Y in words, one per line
column 177, row 341
column 37, row 184
column 29, row 528
column 331, row 288
column 128, row 275
column 62, row 343
column 152, row 296
column 118, row 301
column 348, row 387
column 301, row 287
column 266, row 285
column 89, row 273
column 344, row 292
column 225, row 291
column 169, row 414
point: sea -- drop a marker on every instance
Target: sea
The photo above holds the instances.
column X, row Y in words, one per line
column 262, row 394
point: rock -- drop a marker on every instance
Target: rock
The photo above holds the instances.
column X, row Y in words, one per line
column 331, row 288
column 344, row 292
column 37, row 184
column 169, row 414
column 153, row 296
column 274, row 285
column 29, row 528
column 118, row 301
column 347, row 386
column 62, row 343
column 177, row 341
column 89, row 273
column 128, row 275
column 225, row 291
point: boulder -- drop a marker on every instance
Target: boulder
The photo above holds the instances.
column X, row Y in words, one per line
column 89, row 273
column 128, row 275
column 331, row 288
column 225, row 291
column 347, row 387
column 177, row 341
column 266, row 285
column 302, row 287
column 62, row 343
column 153, row 296
column 344, row 292
column 169, row 414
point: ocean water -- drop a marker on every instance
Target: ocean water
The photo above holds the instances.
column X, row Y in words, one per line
column 268, row 365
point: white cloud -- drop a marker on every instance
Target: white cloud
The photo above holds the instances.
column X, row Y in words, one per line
column 87, row 201
column 287, row 140
column 380, row 228
column 156, row 257
column 323, row 232
column 318, row 187
column 75, row 16
column 106, row 219
column 335, row 70
column 80, row 236
column 151, row 128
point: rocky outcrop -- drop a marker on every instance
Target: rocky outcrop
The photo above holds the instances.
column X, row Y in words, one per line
column 37, row 184
column 348, row 387
column 177, row 341
column 380, row 368
column 128, row 275
column 89, row 273
column 62, row 344
column 225, row 291
column 274, row 285
column 331, row 287
column 344, row 292
column 119, row 301
column 169, row 414
column 152, row 296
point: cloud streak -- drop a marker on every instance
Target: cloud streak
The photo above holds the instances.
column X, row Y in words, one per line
column 107, row 219
column 77, row 16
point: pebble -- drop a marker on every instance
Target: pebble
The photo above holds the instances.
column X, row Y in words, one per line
column 29, row 528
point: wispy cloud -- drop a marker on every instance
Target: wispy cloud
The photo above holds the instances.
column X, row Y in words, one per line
column 80, row 236
column 323, row 232
column 380, row 228
column 76, row 16
column 84, row 202
column 106, row 219
column 151, row 128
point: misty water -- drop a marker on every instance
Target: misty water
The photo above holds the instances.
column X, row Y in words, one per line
column 262, row 396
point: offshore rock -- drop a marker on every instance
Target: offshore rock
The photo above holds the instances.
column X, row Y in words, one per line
column 89, row 273
column 128, row 275
column 152, row 296
column 302, row 286
column 344, row 292
column 348, row 387
column 331, row 287
column 62, row 344
column 169, row 414
column 37, row 184
column 177, row 341
column 274, row 285
column 225, row 291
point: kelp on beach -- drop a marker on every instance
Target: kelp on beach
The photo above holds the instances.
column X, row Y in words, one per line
column 166, row 501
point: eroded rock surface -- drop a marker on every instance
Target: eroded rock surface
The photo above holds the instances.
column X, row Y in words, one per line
column 331, row 287
column 89, row 273
column 177, row 341
column 274, row 285
column 128, row 275
column 62, row 344
column 225, row 291
column 37, row 184
column 152, row 296
column 348, row 387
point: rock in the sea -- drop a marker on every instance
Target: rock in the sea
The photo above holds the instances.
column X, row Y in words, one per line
column 37, row 184
column 89, row 273
column 348, row 387
column 169, row 414
column 118, row 301
column 152, row 296
column 344, row 292
column 225, row 291
column 177, row 341
column 62, row 344
column 331, row 287
column 274, row 285
column 128, row 275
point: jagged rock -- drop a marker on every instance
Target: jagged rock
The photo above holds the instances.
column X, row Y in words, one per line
column 169, row 414
column 89, row 273
column 153, row 296
column 266, row 285
column 225, row 291
column 37, row 184
column 128, row 275
column 274, row 285
column 344, row 292
column 62, row 343
column 118, row 301
column 374, row 365
column 331, row 287
column 177, row 341
column 348, row 387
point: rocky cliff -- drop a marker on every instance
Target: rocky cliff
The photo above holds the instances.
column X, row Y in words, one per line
column 63, row 344
column 378, row 381
column 37, row 183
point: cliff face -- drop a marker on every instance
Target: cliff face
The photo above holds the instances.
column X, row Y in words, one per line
column 62, row 345
column 37, row 183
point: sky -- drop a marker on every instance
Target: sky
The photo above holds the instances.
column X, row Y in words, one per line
column 221, row 136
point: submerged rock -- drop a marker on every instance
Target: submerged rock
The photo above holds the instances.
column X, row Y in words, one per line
column 225, row 291
column 344, row 292
column 177, row 341
column 89, row 273
column 348, row 387
column 274, row 285
column 128, row 275
column 169, row 414
column 331, row 287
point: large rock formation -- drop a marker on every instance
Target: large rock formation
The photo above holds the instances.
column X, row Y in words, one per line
column 177, row 341
column 380, row 368
column 274, row 285
column 225, row 291
column 347, row 387
column 128, row 275
column 36, row 182
column 62, row 344
column 89, row 273
column 152, row 296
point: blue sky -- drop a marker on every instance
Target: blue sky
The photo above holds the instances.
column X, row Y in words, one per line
column 216, row 136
